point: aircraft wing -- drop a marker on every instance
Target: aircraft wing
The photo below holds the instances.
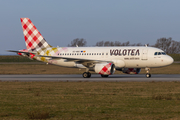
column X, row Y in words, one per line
column 85, row 62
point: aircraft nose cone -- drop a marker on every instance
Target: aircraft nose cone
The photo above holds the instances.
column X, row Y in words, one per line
column 170, row 60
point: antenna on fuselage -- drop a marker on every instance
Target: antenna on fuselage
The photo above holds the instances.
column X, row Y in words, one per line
column 146, row 45
column 76, row 45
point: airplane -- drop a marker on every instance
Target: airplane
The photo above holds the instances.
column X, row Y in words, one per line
column 102, row 60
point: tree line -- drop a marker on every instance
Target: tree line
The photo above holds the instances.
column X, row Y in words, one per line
column 166, row 44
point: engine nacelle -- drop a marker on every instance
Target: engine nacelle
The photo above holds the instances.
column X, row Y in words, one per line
column 131, row 70
column 105, row 68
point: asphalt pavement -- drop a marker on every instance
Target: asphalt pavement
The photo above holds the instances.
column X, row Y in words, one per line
column 94, row 78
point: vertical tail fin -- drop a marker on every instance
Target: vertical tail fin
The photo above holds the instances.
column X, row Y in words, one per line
column 32, row 36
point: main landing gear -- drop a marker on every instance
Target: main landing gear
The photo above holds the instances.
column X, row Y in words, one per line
column 148, row 75
column 104, row 76
column 86, row 74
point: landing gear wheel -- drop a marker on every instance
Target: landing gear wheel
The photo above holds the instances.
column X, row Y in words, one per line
column 148, row 75
column 104, row 75
column 89, row 74
column 86, row 74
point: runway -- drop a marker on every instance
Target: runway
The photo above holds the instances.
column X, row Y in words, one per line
column 94, row 78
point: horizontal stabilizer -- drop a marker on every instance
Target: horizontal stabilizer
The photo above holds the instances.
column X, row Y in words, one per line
column 21, row 52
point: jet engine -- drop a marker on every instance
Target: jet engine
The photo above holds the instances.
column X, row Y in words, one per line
column 131, row 70
column 105, row 68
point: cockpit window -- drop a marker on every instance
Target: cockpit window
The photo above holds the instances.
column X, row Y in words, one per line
column 163, row 53
column 159, row 53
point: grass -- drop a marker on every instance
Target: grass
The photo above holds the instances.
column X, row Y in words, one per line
column 90, row 100
column 52, row 69
column 37, row 114
column 15, row 58
column 176, row 57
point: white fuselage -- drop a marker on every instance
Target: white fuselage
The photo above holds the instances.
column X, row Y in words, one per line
column 122, row 57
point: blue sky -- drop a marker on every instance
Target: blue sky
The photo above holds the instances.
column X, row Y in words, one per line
column 61, row 21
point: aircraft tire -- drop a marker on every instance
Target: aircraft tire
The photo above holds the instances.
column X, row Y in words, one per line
column 86, row 74
column 104, row 76
column 148, row 75
column 89, row 74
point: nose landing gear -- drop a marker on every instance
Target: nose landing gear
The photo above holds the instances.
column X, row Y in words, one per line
column 148, row 75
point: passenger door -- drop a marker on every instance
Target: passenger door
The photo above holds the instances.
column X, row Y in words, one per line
column 144, row 54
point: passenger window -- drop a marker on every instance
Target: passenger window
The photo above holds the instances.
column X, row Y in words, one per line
column 89, row 53
column 84, row 53
column 94, row 53
column 99, row 53
column 102, row 53
column 106, row 53
column 155, row 53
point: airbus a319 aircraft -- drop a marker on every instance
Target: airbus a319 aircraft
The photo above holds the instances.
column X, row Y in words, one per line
column 101, row 60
